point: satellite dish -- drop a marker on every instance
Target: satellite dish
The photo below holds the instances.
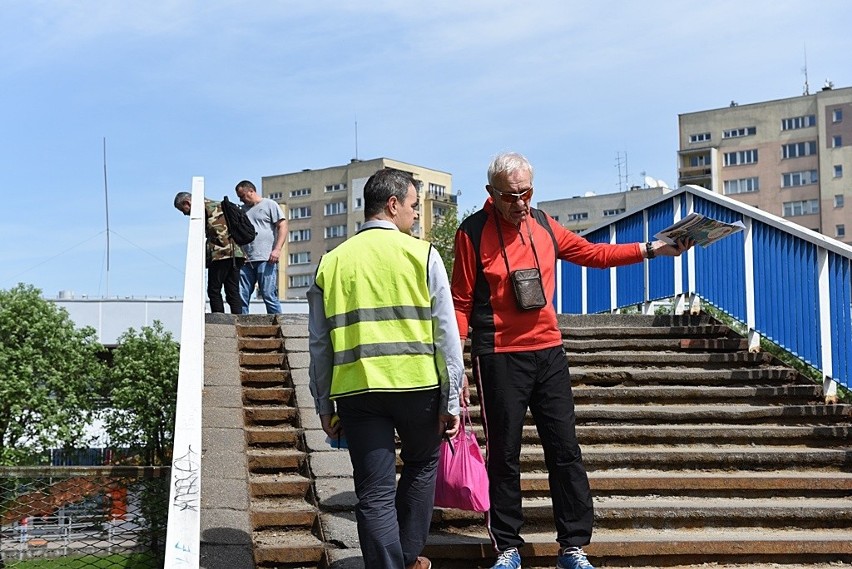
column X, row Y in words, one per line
column 662, row 184
column 651, row 182
column 589, row 194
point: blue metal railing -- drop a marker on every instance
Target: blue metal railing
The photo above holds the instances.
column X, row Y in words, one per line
column 783, row 281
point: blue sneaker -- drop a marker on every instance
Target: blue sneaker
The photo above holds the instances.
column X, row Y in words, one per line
column 509, row 559
column 573, row 558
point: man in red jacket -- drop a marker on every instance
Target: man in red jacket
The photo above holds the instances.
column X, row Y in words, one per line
column 517, row 355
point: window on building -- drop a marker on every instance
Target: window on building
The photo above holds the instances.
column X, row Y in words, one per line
column 742, row 186
column 840, row 230
column 802, row 207
column 738, row 132
column 359, row 203
column 794, row 123
column 276, row 195
column 302, row 258
column 838, row 170
column 578, row 216
column 699, row 160
column 836, row 141
column 837, row 115
column 335, row 208
column 802, row 178
column 613, row 212
column 799, row 149
column 301, row 281
column 336, row 188
column 838, row 200
column 741, row 157
column 300, row 212
column 335, row 231
column 702, row 137
column 300, row 192
column 299, row 235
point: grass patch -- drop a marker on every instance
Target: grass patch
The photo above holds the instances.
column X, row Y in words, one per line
column 116, row 561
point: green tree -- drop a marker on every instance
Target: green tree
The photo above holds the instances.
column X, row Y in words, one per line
column 443, row 236
column 143, row 393
column 50, row 374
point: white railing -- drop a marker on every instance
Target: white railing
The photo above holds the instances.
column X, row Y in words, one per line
column 183, row 534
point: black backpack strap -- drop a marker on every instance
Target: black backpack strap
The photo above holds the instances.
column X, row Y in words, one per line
column 541, row 218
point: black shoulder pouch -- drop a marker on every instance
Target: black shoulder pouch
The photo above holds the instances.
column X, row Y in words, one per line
column 529, row 292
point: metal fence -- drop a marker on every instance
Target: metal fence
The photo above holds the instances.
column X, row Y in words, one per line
column 83, row 517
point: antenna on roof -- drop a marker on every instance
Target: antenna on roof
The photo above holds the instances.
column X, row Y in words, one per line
column 106, row 204
column 356, row 137
column 807, row 89
column 622, row 178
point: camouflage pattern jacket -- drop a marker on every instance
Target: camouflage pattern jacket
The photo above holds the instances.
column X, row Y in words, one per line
column 219, row 243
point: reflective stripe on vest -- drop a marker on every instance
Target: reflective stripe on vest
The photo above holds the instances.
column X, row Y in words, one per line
column 378, row 308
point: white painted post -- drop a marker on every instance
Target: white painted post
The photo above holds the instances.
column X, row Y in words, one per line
column 829, row 387
column 613, row 280
column 183, row 533
column 748, row 257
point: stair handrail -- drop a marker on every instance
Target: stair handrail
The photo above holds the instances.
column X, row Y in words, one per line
column 781, row 280
column 183, row 531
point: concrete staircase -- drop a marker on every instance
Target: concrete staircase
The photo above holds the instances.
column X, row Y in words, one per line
column 697, row 450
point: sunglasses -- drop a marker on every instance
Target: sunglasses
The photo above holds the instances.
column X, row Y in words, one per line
column 509, row 197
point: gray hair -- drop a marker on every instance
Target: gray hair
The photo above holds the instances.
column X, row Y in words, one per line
column 182, row 197
column 507, row 162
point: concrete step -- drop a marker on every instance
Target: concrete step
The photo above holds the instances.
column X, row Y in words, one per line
column 698, row 394
column 266, row 395
column 704, row 548
column 270, row 415
column 265, row 377
column 597, row 332
column 262, row 359
column 279, row 484
column 259, row 344
column 275, row 436
column 762, row 434
column 282, row 512
column 675, row 344
column 275, row 460
column 294, row 547
column 735, row 413
column 267, row 330
column 674, row 359
column 766, row 375
column 674, row 512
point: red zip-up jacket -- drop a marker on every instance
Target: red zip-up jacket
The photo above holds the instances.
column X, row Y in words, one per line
column 482, row 293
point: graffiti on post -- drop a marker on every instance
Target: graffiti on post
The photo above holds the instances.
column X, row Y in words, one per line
column 187, row 488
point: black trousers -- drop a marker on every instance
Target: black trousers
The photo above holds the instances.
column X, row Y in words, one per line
column 508, row 384
column 224, row 272
column 393, row 519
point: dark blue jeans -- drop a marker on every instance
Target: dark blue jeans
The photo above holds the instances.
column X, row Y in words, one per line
column 393, row 520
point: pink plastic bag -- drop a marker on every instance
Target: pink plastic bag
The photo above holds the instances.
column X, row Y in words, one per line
column 462, row 479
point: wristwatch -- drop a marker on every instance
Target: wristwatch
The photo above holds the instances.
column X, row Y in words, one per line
column 649, row 250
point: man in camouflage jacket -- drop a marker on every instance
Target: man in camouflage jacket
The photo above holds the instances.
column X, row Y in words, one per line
column 224, row 257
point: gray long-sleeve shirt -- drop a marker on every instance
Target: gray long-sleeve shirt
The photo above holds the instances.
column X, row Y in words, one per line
column 448, row 354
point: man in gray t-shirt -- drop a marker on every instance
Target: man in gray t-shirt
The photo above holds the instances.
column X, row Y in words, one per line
column 261, row 265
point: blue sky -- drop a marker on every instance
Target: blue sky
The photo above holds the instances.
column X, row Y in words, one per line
column 244, row 89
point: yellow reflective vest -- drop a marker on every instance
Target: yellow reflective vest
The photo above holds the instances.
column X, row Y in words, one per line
column 377, row 303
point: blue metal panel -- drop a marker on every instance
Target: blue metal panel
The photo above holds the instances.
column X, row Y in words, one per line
column 572, row 291
column 786, row 289
column 630, row 279
column 598, row 280
column 720, row 268
column 840, row 283
column 660, row 271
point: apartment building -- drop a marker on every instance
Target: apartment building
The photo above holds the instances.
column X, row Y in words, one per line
column 324, row 207
column 790, row 157
column 582, row 212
